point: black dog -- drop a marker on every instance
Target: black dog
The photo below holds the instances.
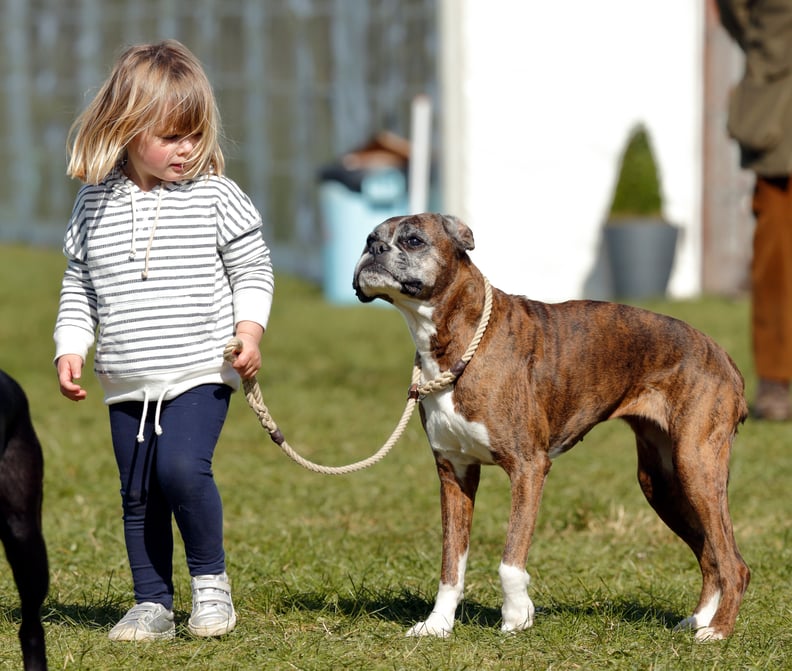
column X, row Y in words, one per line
column 21, row 484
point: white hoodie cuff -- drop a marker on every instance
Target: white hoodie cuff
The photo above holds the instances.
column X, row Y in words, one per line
column 252, row 305
column 72, row 340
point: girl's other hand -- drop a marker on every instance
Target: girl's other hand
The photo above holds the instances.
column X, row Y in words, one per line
column 70, row 369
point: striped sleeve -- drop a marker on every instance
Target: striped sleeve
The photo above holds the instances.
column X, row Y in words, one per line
column 77, row 314
column 246, row 257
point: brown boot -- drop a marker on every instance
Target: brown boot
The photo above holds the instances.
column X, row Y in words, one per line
column 772, row 401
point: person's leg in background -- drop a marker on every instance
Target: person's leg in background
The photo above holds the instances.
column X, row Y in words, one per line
column 771, row 280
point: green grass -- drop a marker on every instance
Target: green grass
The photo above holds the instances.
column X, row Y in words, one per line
column 329, row 572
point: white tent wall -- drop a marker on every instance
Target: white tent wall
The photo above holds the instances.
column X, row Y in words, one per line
column 538, row 100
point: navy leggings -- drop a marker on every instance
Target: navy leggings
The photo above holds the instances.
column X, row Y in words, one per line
column 170, row 475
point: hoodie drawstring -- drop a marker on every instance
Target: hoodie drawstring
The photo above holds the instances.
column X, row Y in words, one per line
column 144, row 274
column 132, row 250
column 157, row 412
column 157, row 427
column 140, row 437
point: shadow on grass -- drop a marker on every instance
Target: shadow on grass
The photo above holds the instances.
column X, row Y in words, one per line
column 624, row 610
column 403, row 607
column 97, row 617
column 407, row 607
column 81, row 615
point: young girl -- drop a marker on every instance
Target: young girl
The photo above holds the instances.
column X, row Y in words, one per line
column 166, row 259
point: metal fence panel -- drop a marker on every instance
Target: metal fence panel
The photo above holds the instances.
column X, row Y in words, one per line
column 298, row 83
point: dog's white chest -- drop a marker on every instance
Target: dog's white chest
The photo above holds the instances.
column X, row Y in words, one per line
column 461, row 441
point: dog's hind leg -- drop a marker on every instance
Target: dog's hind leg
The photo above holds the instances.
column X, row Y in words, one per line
column 458, row 486
column 21, row 473
column 686, row 484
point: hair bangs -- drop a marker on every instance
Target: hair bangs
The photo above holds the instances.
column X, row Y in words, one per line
column 192, row 112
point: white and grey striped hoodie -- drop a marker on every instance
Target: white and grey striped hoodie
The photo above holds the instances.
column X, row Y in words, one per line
column 161, row 277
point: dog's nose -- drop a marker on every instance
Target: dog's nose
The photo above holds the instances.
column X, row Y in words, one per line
column 377, row 247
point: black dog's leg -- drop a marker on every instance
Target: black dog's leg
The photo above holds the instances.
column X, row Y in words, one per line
column 21, row 485
column 26, row 553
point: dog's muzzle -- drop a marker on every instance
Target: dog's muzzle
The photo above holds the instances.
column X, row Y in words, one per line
column 368, row 265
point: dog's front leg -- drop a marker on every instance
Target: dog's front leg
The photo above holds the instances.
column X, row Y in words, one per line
column 458, row 485
column 527, row 482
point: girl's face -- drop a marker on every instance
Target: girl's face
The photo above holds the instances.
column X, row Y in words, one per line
column 154, row 158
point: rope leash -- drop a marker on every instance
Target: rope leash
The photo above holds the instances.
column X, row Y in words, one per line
column 416, row 392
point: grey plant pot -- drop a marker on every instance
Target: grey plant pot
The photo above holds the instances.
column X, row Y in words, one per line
column 641, row 255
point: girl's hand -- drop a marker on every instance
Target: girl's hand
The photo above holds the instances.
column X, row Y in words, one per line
column 69, row 369
column 248, row 360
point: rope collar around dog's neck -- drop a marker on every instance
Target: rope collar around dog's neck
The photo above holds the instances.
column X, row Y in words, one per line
column 447, row 378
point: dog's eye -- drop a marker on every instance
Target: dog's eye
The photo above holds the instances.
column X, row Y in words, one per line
column 414, row 242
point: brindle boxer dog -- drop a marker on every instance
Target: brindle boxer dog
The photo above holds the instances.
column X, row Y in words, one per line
column 21, row 475
column 542, row 377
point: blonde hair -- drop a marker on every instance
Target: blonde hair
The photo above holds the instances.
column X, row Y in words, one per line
column 153, row 88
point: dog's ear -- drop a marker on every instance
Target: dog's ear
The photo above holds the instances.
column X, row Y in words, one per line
column 458, row 232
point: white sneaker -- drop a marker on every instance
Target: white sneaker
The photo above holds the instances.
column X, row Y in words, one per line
column 145, row 621
column 213, row 611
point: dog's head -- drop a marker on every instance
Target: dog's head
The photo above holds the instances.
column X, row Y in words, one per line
column 412, row 256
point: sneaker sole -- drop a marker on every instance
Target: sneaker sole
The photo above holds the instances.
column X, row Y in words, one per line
column 214, row 630
column 141, row 635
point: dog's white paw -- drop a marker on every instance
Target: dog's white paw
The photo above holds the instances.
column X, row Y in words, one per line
column 700, row 621
column 708, row 634
column 517, row 619
column 701, row 618
column 518, row 609
column 703, row 632
column 435, row 625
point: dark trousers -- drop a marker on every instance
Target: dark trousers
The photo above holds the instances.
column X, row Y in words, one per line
column 771, row 279
column 170, row 477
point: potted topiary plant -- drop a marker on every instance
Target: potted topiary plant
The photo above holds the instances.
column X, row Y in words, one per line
column 640, row 242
